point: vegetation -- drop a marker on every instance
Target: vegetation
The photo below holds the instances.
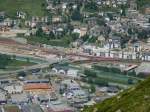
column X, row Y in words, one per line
column 91, row 6
column 62, row 39
column 136, row 99
column 107, row 69
column 102, row 76
column 64, row 42
column 18, row 63
column 142, row 3
column 76, row 15
column 7, row 61
column 31, row 7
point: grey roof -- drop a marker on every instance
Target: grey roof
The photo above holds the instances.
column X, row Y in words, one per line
column 146, row 53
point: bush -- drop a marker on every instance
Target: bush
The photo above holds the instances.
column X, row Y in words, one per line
column 115, row 70
column 101, row 82
column 90, row 73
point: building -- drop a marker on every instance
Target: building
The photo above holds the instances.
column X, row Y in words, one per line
column 19, row 98
column 38, row 88
column 37, row 81
column 72, row 73
column 3, row 99
column 147, row 9
column 60, row 70
column 146, row 56
column 14, row 89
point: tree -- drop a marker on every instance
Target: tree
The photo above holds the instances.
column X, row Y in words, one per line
column 49, row 19
column 4, row 60
column 92, row 88
column 90, row 73
column 70, row 27
column 143, row 34
column 40, row 32
column 21, row 74
column 13, row 57
column 130, row 81
column 91, row 6
column 101, row 22
column 76, row 15
column 28, row 60
column 130, row 32
column 123, row 8
column 75, row 36
column 51, row 35
column 85, row 38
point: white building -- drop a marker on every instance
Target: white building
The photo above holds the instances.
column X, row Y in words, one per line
column 13, row 89
column 72, row 73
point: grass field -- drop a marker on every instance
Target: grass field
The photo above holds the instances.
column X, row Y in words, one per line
column 63, row 42
column 31, row 7
column 17, row 64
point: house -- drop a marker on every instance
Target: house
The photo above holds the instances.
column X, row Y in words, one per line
column 64, row 6
column 56, row 19
column 72, row 73
column 2, row 16
column 3, row 99
column 146, row 56
column 77, row 31
column 59, row 31
column 136, row 47
column 6, row 81
column 100, row 52
column 88, row 49
column 91, row 22
column 60, row 70
column 77, row 43
column 71, row 85
column 74, row 93
column 79, row 96
column 147, row 9
column 129, row 55
column 116, row 54
column 83, row 31
column 113, row 42
column 101, row 40
column 96, row 31
column 7, row 22
column 21, row 15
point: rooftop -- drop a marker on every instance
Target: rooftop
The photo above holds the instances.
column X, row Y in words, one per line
column 37, row 86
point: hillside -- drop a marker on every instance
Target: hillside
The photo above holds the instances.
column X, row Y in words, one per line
column 31, row 7
column 133, row 100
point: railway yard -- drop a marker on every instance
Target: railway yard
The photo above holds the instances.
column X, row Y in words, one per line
column 44, row 83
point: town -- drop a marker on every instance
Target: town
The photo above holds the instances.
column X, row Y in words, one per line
column 65, row 55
